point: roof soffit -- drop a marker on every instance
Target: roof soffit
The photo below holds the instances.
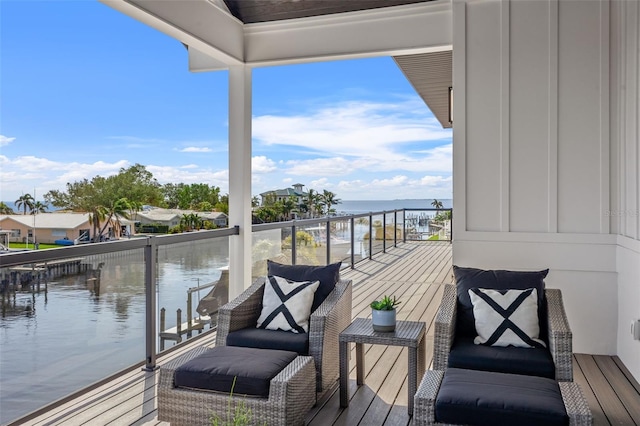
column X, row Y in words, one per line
column 197, row 23
column 217, row 40
column 252, row 11
column 414, row 28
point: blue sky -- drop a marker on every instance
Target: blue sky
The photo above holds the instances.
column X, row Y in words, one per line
column 86, row 90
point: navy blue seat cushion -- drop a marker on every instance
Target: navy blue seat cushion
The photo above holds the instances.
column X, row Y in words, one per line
column 327, row 275
column 485, row 398
column 215, row 369
column 467, row 278
column 270, row 339
column 527, row 361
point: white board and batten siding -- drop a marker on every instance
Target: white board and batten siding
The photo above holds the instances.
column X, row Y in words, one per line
column 546, row 154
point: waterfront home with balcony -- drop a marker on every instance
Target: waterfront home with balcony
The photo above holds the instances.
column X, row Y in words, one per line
column 544, row 109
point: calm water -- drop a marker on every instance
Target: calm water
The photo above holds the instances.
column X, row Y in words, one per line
column 365, row 206
column 56, row 341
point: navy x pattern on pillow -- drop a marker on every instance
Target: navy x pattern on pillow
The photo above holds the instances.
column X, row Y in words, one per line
column 519, row 317
column 286, row 304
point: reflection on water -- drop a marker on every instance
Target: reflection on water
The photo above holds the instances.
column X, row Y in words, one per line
column 75, row 332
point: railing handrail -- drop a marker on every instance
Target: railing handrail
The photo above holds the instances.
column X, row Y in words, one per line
column 36, row 256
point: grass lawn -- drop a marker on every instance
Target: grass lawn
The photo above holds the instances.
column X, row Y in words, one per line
column 30, row 246
column 435, row 237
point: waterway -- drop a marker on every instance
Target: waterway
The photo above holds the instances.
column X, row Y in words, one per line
column 56, row 341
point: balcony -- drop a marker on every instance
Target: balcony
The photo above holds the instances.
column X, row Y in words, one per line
column 413, row 270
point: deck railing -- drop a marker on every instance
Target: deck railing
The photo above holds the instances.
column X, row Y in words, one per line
column 345, row 239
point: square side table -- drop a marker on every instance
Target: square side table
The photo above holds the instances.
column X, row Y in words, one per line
column 408, row 333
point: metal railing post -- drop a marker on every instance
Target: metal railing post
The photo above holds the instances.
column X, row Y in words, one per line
column 370, row 236
column 328, row 242
column 353, row 242
column 384, row 232
column 150, row 260
column 404, row 225
column 294, row 243
column 395, row 228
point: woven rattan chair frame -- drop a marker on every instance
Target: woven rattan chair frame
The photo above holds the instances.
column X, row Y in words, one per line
column 424, row 402
column 288, row 402
column 326, row 323
column 560, row 337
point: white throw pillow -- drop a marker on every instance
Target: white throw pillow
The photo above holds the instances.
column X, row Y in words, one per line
column 286, row 305
column 506, row 317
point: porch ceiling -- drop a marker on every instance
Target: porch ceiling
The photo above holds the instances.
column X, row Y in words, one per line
column 253, row 11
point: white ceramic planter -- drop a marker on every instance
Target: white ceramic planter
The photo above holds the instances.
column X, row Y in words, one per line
column 383, row 320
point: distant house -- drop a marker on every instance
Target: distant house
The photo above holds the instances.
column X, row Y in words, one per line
column 285, row 194
column 50, row 227
column 172, row 217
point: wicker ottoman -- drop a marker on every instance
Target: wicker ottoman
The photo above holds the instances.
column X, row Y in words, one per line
column 291, row 396
column 477, row 394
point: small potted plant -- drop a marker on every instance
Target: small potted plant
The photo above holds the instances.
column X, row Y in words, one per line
column 383, row 314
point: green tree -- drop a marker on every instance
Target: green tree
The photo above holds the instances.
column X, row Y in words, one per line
column 255, row 201
column 288, row 206
column 204, row 206
column 223, row 204
column 437, row 204
column 118, row 209
column 191, row 221
column 25, row 202
column 310, row 202
column 171, row 195
column 329, row 200
column 96, row 215
column 5, row 209
column 38, row 207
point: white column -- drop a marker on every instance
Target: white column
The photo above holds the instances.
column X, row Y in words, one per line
column 239, row 178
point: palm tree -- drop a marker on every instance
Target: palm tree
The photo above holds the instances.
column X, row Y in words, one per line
column 191, row 221
column 119, row 208
column 96, row 216
column 5, row 209
column 287, row 206
column 25, row 202
column 38, row 207
column 329, row 199
column 311, row 202
column 437, row 204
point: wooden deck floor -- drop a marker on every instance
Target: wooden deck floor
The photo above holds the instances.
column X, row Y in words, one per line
column 415, row 272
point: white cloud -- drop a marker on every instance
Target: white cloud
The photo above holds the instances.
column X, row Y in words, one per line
column 261, row 164
column 28, row 174
column 171, row 174
column 4, row 140
column 196, row 149
column 399, row 186
column 352, row 129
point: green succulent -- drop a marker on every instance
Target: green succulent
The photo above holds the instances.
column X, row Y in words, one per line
column 385, row 304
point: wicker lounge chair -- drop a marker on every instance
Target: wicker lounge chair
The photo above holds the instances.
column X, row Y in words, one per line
column 559, row 339
column 327, row 321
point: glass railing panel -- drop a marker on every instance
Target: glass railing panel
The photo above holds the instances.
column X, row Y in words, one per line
column 361, row 231
column 377, row 234
column 272, row 244
column 311, row 244
column 188, row 279
column 66, row 324
column 428, row 225
column 340, row 232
